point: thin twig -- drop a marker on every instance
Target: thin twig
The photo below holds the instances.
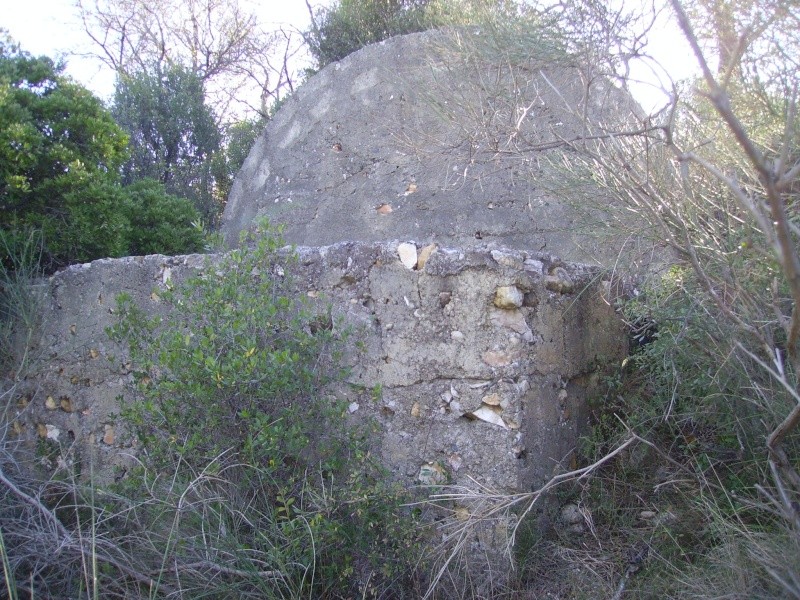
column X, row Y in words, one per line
column 499, row 504
column 67, row 540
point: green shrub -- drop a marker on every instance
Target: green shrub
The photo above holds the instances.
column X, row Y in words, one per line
column 60, row 157
column 348, row 25
column 93, row 226
column 59, row 153
column 233, row 360
column 230, row 388
column 160, row 223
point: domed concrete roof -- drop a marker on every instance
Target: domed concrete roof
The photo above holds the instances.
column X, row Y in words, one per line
column 433, row 137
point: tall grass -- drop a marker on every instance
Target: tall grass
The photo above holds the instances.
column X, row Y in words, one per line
column 248, row 483
column 704, row 501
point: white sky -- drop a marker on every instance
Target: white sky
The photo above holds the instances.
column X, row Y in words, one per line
column 52, row 27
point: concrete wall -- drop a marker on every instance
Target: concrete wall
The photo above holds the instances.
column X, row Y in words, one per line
column 421, row 137
column 484, row 356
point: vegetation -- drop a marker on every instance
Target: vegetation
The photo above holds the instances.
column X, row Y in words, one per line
column 688, row 485
column 192, row 77
column 19, row 312
column 60, row 157
column 220, row 42
column 239, row 138
column 248, row 484
column 348, row 25
column 160, row 223
column 173, row 134
column 60, row 152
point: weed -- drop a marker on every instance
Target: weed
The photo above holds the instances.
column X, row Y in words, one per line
column 230, row 383
column 248, row 482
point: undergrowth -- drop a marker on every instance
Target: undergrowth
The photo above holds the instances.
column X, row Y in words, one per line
column 687, row 511
column 249, row 482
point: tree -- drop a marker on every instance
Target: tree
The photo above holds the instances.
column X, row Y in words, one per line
column 239, row 139
column 182, row 68
column 173, row 133
column 59, row 155
column 60, row 159
column 216, row 40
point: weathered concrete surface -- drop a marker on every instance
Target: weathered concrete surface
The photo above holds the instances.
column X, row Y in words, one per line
column 429, row 137
column 484, row 356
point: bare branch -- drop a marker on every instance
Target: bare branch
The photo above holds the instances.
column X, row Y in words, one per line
column 493, row 504
column 215, row 39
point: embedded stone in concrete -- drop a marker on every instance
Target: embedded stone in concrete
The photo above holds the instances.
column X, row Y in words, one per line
column 424, row 255
column 559, row 280
column 470, row 392
column 509, row 297
column 396, row 142
column 408, row 254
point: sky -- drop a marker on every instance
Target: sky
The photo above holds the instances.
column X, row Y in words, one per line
column 52, row 27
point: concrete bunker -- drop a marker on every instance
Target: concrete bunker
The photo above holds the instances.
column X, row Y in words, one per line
column 484, row 356
column 483, row 337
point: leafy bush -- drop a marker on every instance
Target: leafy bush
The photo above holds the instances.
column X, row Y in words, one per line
column 234, row 360
column 59, row 153
column 160, row 222
column 349, row 25
column 230, row 386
